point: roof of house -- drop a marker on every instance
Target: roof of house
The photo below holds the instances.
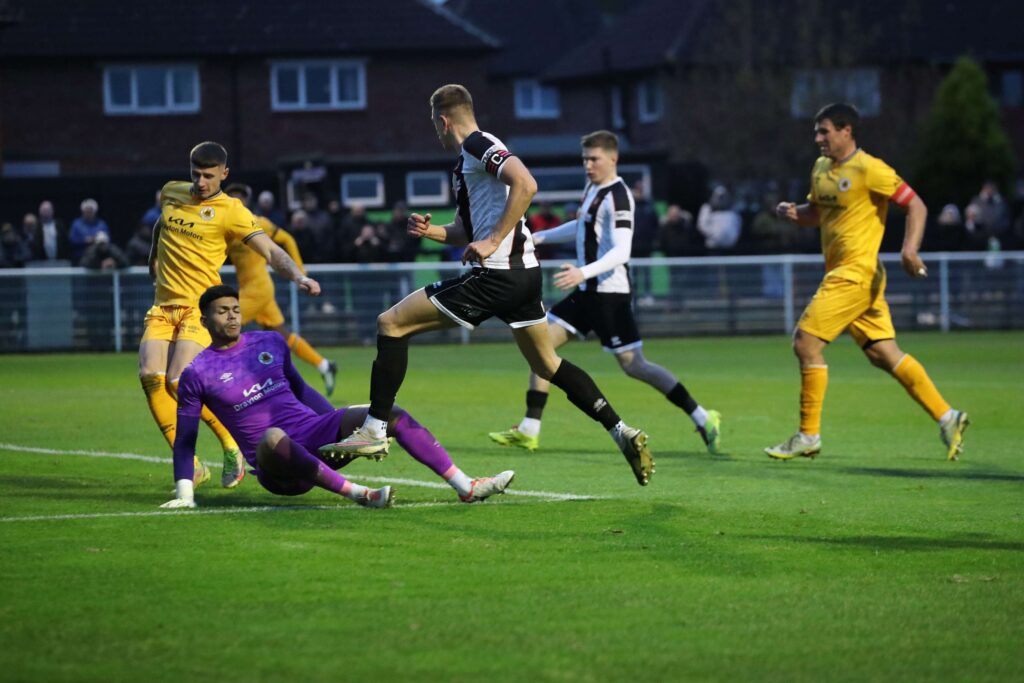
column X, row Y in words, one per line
column 662, row 33
column 148, row 28
column 534, row 33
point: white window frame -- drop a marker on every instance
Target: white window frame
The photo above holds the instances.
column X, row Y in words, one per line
column 375, row 202
column 645, row 115
column 335, row 102
column 814, row 88
column 112, row 108
column 441, row 199
column 535, row 110
column 576, row 195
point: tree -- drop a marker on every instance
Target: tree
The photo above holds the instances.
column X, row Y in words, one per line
column 964, row 142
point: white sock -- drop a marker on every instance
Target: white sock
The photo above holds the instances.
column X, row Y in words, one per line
column 530, row 426
column 324, row 366
column 356, row 492
column 947, row 416
column 379, row 428
column 462, row 484
column 616, row 431
column 699, row 416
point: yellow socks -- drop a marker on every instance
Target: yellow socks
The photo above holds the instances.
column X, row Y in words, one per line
column 227, row 442
column 915, row 380
column 161, row 404
column 303, row 350
column 813, row 382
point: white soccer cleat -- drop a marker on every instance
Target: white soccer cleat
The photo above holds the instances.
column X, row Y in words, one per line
column 359, row 442
column 378, row 498
column 952, row 433
column 178, row 503
column 483, row 488
column 796, row 445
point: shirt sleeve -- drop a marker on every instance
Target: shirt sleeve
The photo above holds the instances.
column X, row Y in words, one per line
column 240, row 223
column 881, row 179
column 491, row 154
column 305, row 393
column 566, row 232
column 190, row 406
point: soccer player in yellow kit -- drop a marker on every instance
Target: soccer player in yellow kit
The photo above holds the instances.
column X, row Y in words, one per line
column 189, row 246
column 257, row 289
column 849, row 198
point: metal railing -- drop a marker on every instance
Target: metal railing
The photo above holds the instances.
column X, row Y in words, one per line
column 75, row 309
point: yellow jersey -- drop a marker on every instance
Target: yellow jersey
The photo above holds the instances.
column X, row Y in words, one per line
column 251, row 268
column 852, row 199
column 193, row 241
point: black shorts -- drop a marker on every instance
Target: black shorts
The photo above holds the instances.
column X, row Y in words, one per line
column 514, row 296
column 610, row 316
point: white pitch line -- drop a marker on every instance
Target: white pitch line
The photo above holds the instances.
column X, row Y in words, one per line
column 549, row 495
column 209, row 511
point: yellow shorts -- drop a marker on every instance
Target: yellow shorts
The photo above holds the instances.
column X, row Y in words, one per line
column 841, row 304
column 263, row 309
column 175, row 323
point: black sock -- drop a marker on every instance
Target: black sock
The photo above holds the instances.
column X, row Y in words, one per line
column 681, row 397
column 388, row 374
column 584, row 394
column 535, row 402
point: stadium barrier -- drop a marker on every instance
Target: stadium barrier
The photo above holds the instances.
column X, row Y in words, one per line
column 80, row 310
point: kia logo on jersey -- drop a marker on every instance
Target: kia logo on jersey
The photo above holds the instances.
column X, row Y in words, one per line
column 258, row 387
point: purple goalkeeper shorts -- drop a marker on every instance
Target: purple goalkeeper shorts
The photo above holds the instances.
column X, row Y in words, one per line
column 311, row 435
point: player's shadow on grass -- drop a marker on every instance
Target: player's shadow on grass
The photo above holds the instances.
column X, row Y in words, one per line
column 911, row 543
column 932, row 474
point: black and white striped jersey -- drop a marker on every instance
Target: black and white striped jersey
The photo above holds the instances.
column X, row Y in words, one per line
column 604, row 210
column 480, row 200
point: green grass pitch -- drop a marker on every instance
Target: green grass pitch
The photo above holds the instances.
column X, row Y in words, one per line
column 877, row 561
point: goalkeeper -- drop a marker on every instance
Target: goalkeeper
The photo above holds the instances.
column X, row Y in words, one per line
column 248, row 381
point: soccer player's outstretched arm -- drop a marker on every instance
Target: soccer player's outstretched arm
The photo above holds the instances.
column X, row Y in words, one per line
column 566, row 232
column 190, row 406
column 521, row 188
column 420, row 226
column 283, row 239
column 281, row 262
column 305, row 393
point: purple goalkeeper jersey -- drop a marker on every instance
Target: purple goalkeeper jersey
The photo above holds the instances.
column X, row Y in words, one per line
column 250, row 387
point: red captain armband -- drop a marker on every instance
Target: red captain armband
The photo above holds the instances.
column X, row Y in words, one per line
column 494, row 159
column 903, row 195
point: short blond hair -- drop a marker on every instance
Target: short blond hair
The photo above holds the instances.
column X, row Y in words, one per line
column 605, row 139
column 451, row 96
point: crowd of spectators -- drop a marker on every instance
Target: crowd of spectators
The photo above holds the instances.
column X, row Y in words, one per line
column 727, row 222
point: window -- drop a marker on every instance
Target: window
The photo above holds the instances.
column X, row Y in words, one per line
column 813, row 89
column 318, row 85
column 427, row 188
column 648, row 95
column 151, row 89
column 536, row 101
column 1012, row 88
column 566, row 183
column 366, row 189
column 618, row 121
